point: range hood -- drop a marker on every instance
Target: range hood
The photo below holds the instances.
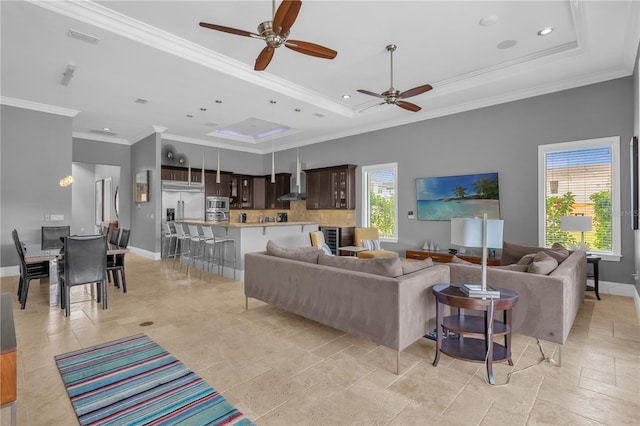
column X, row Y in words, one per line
column 295, row 195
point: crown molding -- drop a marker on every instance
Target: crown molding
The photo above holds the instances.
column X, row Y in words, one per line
column 117, row 23
column 36, row 106
column 99, row 138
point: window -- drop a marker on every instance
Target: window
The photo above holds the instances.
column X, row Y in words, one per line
column 379, row 204
column 581, row 178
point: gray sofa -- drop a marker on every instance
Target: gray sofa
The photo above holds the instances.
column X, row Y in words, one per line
column 393, row 306
column 547, row 304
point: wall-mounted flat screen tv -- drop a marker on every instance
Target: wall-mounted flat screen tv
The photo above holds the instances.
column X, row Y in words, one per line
column 445, row 197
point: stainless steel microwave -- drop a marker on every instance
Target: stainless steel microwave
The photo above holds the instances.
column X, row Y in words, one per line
column 217, row 204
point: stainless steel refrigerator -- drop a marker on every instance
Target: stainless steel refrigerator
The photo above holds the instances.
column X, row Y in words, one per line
column 186, row 200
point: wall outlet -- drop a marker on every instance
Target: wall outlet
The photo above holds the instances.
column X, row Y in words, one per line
column 410, row 214
column 56, row 217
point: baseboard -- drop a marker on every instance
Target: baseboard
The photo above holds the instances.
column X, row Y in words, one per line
column 619, row 289
column 9, row 271
column 145, row 253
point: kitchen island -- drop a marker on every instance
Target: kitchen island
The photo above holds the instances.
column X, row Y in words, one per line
column 252, row 237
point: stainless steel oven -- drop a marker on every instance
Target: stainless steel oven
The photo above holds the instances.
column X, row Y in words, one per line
column 217, row 209
column 217, row 204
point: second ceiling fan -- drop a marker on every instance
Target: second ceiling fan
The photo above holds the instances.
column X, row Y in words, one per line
column 393, row 96
column 276, row 32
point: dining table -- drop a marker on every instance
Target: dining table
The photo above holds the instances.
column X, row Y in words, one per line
column 34, row 253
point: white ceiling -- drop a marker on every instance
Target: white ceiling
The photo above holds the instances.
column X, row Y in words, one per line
column 156, row 50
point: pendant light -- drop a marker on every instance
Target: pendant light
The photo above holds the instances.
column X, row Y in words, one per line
column 218, row 165
column 202, row 172
column 297, row 154
column 273, row 151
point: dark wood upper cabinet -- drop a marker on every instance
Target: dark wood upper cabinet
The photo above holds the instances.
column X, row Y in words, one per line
column 180, row 174
column 211, row 188
column 331, row 187
column 281, row 187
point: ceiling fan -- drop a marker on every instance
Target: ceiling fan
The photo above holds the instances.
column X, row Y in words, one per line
column 276, row 32
column 393, row 96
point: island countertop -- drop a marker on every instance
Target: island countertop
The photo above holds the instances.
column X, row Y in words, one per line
column 244, row 225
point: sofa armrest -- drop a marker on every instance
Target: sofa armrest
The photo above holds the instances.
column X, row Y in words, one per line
column 542, row 309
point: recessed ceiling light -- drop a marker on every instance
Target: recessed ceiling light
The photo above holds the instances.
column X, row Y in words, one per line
column 506, row 44
column 488, row 20
column 190, row 115
column 141, row 101
column 346, row 96
column 106, row 129
column 545, row 31
column 203, row 109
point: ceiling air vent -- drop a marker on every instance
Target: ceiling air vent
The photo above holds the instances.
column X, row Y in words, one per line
column 317, row 114
column 82, row 36
column 104, row 132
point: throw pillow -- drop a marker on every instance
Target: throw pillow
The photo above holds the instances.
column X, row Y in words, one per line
column 385, row 266
column 558, row 252
column 326, row 249
column 456, row 259
column 371, row 244
column 409, row 266
column 526, row 259
column 542, row 264
column 303, row 254
column 511, row 253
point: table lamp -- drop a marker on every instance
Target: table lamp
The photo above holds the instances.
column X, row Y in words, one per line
column 476, row 232
column 580, row 224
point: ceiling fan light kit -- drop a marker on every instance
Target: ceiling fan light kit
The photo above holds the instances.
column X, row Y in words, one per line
column 276, row 32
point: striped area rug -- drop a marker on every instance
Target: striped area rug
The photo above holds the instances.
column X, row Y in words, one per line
column 134, row 381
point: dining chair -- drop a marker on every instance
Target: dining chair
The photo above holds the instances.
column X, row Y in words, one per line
column 85, row 262
column 115, row 265
column 28, row 271
column 115, row 236
column 51, row 236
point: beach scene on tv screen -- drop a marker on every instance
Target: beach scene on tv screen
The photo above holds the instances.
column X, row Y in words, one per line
column 446, row 197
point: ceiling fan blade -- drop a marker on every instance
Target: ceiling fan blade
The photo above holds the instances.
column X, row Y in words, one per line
column 286, row 15
column 367, row 92
column 229, row 30
column 415, row 91
column 264, row 58
column 371, row 106
column 311, row 49
column 408, row 106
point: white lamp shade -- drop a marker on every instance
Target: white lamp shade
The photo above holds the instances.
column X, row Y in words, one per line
column 576, row 223
column 467, row 232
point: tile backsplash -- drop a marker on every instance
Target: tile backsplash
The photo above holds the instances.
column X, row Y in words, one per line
column 298, row 213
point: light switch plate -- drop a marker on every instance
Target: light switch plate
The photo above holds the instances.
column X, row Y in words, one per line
column 56, row 217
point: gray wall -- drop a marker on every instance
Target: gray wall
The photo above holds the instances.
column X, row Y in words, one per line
column 35, row 151
column 230, row 161
column 145, row 217
column 502, row 138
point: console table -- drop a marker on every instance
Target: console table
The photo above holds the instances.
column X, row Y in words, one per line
column 444, row 257
column 479, row 346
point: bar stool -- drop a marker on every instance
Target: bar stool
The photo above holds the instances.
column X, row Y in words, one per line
column 221, row 244
column 168, row 236
column 181, row 238
column 208, row 240
column 195, row 245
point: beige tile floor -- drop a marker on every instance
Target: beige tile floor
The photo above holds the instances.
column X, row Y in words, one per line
column 281, row 369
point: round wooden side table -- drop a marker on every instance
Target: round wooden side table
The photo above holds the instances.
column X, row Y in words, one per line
column 475, row 334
